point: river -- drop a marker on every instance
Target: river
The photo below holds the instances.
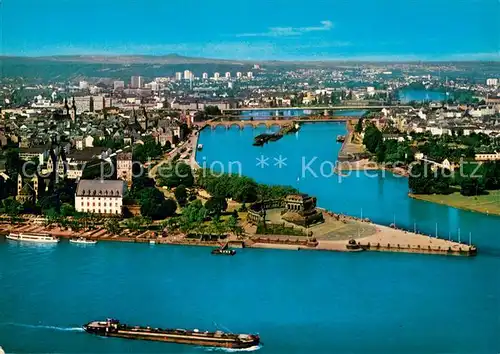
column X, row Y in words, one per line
column 299, row 302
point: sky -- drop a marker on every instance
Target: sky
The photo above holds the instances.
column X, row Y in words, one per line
column 255, row 29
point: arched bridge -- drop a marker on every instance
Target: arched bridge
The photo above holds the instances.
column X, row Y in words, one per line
column 268, row 123
column 249, row 123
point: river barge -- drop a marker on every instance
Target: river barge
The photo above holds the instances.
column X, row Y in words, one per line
column 113, row 328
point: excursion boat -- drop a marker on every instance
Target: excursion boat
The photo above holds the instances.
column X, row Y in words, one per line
column 32, row 237
column 83, row 241
column 113, row 328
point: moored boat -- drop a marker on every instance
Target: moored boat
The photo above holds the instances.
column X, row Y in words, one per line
column 200, row 146
column 113, row 328
column 83, row 241
column 32, row 237
column 224, row 252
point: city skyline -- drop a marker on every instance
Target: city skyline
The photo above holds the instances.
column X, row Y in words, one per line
column 366, row 30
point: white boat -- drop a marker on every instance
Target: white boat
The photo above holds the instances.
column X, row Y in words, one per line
column 200, row 146
column 32, row 237
column 83, row 240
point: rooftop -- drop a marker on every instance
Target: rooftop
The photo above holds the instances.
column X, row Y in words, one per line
column 105, row 188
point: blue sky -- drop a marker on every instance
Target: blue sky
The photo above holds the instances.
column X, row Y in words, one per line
column 256, row 29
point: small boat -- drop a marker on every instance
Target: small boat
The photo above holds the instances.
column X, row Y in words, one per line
column 152, row 242
column 83, row 241
column 200, row 146
column 32, row 237
column 225, row 252
column 340, row 138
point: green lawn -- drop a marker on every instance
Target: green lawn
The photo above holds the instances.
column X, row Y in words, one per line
column 488, row 204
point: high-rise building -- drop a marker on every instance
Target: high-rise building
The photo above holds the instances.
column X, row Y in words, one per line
column 229, row 85
column 136, row 82
column 256, row 66
column 205, row 76
column 238, row 75
column 178, row 76
column 216, row 76
column 492, row 82
column 250, row 75
column 118, row 84
column 228, row 75
column 188, row 75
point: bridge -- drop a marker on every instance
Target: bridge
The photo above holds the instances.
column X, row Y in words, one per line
column 268, row 123
column 314, row 108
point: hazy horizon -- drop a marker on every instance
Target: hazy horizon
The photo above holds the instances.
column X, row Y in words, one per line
column 363, row 30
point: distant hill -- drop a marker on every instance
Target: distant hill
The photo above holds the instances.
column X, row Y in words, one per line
column 169, row 59
column 63, row 68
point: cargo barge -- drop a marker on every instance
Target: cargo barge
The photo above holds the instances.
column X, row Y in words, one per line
column 113, row 328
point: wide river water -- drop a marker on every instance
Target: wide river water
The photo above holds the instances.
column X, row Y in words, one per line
column 299, row 302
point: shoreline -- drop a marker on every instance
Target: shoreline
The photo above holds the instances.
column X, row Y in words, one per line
column 385, row 239
column 452, row 205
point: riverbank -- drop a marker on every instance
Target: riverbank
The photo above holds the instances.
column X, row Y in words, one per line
column 372, row 237
column 487, row 204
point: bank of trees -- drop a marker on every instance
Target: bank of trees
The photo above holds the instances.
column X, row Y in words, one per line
column 239, row 188
column 424, row 179
column 472, row 178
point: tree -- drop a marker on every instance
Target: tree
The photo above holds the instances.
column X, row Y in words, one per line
column 424, row 180
column 373, row 137
column 181, row 195
column 192, row 217
column 471, row 186
column 140, row 183
column 137, row 222
column 154, row 205
column 67, row 210
column 359, row 126
column 149, row 150
column 217, row 226
column 233, row 225
column 113, row 226
column 380, row 152
column 11, row 206
column 213, row 111
column 216, row 205
column 176, row 174
column 158, row 209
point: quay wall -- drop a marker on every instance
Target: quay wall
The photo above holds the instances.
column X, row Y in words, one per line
column 466, row 250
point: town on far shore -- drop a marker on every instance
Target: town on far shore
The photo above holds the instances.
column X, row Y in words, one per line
column 99, row 159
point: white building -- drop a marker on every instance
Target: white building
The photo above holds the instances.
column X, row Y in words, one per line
column 239, row 75
column 228, row 75
column 492, row 82
column 188, row 75
column 204, row 76
column 178, row 76
column 136, row 82
column 99, row 196
column 250, row 75
column 482, row 111
column 216, row 76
